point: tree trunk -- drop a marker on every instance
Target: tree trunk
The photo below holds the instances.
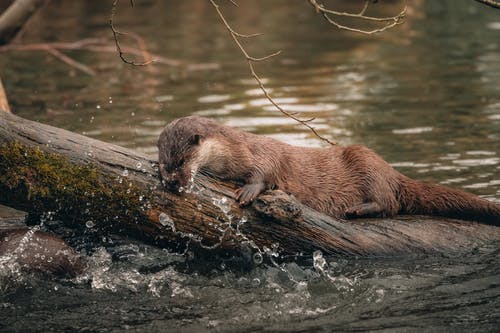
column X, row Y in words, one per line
column 14, row 17
column 51, row 172
column 4, row 103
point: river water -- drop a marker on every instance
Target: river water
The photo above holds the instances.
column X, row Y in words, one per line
column 425, row 95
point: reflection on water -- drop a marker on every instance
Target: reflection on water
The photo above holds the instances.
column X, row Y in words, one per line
column 426, row 96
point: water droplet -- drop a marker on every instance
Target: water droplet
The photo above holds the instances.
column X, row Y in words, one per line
column 138, row 165
column 255, row 282
column 125, row 173
column 97, row 107
column 166, row 220
column 318, row 261
column 222, row 204
column 89, row 224
column 257, row 258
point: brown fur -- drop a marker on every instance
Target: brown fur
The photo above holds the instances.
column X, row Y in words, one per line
column 40, row 252
column 339, row 181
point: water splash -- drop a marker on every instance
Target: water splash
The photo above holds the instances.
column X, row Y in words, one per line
column 191, row 186
column 11, row 272
column 167, row 221
column 340, row 282
column 104, row 274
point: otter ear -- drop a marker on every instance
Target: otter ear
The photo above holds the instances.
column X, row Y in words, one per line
column 195, row 139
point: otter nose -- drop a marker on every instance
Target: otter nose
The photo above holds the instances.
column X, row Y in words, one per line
column 172, row 185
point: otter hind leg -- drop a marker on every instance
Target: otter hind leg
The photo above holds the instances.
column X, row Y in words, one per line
column 367, row 209
column 249, row 192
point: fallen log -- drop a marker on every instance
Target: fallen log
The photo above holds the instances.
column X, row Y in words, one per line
column 51, row 172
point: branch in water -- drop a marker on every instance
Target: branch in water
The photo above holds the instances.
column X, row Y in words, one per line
column 89, row 44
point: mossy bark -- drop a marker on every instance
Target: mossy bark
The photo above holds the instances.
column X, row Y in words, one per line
column 46, row 170
column 47, row 183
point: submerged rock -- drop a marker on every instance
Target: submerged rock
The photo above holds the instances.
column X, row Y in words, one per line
column 36, row 251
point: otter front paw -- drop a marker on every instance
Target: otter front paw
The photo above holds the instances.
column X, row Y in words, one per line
column 248, row 193
column 368, row 209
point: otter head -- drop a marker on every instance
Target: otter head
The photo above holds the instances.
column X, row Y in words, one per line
column 179, row 148
column 175, row 157
column 188, row 145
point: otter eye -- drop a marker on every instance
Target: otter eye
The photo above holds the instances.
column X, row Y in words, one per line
column 181, row 162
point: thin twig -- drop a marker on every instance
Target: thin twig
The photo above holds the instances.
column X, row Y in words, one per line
column 251, row 60
column 389, row 22
column 365, row 7
column 115, row 36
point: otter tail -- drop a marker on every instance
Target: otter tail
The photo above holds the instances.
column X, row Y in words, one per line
column 427, row 199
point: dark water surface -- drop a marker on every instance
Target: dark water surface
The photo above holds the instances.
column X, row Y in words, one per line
column 426, row 96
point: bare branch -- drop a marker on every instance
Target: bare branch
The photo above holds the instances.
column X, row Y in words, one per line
column 331, row 15
column 491, row 3
column 115, row 36
column 89, row 44
column 365, row 7
column 269, row 56
column 251, row 60
column 234, row 3
column 71, row 61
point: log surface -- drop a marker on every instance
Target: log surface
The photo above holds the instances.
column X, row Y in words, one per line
column 47, row 170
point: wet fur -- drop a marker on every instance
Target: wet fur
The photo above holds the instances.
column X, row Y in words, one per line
column 342, row 182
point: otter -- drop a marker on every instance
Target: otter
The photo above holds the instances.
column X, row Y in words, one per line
column 36, row 251
column 343, row 182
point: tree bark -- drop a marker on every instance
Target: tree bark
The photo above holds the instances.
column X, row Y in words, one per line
column 14, row 17
column 51, row 172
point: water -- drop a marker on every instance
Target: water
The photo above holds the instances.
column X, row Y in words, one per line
column 426, row 96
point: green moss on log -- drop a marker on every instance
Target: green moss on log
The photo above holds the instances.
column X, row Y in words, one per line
column 47, row 183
